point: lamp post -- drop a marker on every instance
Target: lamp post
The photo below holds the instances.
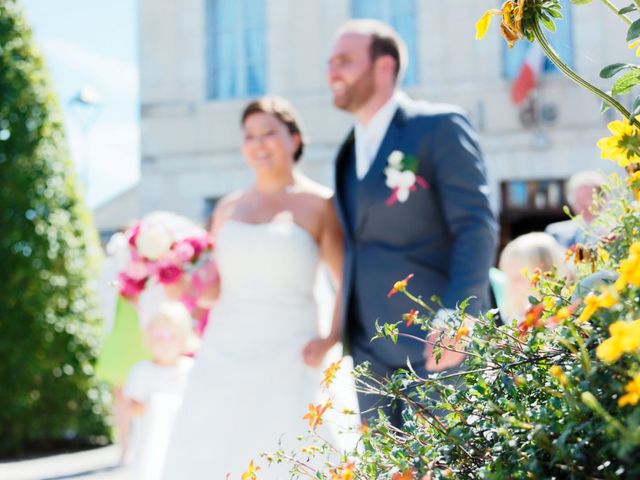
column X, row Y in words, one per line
column 85, row 107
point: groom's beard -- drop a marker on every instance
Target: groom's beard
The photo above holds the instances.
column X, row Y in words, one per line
column 358, row 93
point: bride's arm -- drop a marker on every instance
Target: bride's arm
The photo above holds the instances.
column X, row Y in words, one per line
column 332, row 255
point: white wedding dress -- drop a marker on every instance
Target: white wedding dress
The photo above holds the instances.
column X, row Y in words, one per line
column 249, row 387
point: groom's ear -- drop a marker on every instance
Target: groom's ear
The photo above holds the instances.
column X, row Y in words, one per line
column 386, row 64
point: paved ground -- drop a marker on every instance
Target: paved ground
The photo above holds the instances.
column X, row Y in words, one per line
column 97, row 464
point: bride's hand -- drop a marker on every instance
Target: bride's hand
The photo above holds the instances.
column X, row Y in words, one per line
column 313, row 353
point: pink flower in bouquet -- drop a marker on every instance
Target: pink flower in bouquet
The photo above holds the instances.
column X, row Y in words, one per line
column 163, row 247
column 169, row 273
column 200, row 244
column 136, row 270
column 132, row 235
column 185, row 250
column 130, row 287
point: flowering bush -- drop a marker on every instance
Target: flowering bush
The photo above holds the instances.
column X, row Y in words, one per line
column 163, row 246
column 554, row 394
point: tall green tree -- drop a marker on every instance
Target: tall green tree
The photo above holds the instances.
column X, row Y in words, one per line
column 49, row 321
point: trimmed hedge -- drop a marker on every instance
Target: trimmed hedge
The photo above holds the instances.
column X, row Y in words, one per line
column 49, row 321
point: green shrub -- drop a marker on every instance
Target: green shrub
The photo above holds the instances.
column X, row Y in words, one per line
column 49, row 323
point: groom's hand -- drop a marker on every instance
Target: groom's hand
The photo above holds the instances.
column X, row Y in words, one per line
column 452, row 349
column 314, row 352
column 448, row 359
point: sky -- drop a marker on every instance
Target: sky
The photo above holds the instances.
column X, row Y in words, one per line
column 93, row 44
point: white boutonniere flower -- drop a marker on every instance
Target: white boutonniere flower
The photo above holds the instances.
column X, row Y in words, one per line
column 402, row 177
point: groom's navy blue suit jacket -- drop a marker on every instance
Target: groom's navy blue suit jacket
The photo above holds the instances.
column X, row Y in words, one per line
column 445, row 235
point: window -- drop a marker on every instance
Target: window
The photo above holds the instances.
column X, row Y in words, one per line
column 560, row 40
column 236, row 64
column 401, row 15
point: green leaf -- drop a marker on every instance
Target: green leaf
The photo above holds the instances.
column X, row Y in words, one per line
column 634, row 31
column 627, row 9
column 580, row 2
column 635, row 108
column 626, row 82
column 555, row 13
column 611, row 70
column 548, row 23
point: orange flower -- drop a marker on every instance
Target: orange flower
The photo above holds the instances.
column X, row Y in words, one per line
column 314, row 416
column 250, row 474
column 364, row 428
column 531, row 318
column 330, row 373
column 411, row 317
column 400, row 286
column 343, row 472
column 563, row 314
column 408, row 475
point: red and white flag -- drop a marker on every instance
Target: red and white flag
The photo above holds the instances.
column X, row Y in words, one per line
column 529, row 74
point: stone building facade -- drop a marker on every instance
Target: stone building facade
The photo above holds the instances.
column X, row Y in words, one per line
column 190, row 107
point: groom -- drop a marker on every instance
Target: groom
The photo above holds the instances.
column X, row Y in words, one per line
column 412, row 197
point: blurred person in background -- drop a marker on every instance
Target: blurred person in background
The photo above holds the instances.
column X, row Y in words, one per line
column 123, row 345
column 154, row 388
column 582, row 188
column 519, row 259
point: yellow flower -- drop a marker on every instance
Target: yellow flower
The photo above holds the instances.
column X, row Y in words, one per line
column 625, row 338
column 624, row 146
column 482, row 25
column 462, row 332
column 629, row 269
column 609, row 351
column 606, row 299
column 250, row 474
column 591, row 305
column 310, row 450
column 330, row 373
column 634, row 181
column 557, row 373
column 563, row 313
column 511, row 25
column 635, row 44
column 628, row 334
column 632, row 397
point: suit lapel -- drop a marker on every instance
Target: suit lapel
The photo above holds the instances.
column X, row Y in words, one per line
column 341, row 166
column 373, row 183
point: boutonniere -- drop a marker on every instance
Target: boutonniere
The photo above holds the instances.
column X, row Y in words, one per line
column 402, row 176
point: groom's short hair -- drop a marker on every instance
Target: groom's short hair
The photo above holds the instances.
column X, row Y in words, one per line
column 384, row 41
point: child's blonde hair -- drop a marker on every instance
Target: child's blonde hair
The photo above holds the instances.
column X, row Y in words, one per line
column 175, row 314
column 537, row 250
column 529, row 251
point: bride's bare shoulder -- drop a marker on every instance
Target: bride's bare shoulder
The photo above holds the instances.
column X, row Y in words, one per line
column 225, row 207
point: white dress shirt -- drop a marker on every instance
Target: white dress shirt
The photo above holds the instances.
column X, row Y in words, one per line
column 369, row 136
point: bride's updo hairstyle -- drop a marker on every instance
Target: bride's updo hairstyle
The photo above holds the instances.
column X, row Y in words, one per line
column 283, row 111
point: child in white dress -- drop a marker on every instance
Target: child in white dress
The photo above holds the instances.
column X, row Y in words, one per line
column 154, row 388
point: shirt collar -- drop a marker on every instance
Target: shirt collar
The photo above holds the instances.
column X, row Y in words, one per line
column 380, row 121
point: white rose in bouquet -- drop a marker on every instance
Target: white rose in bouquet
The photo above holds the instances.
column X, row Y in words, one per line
column 154, row 240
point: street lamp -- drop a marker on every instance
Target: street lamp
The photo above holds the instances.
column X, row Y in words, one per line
column 85, row 107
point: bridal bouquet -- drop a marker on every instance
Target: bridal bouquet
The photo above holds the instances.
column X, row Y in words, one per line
column 163, row 247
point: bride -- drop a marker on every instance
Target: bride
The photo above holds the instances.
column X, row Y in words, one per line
column 257, row 369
